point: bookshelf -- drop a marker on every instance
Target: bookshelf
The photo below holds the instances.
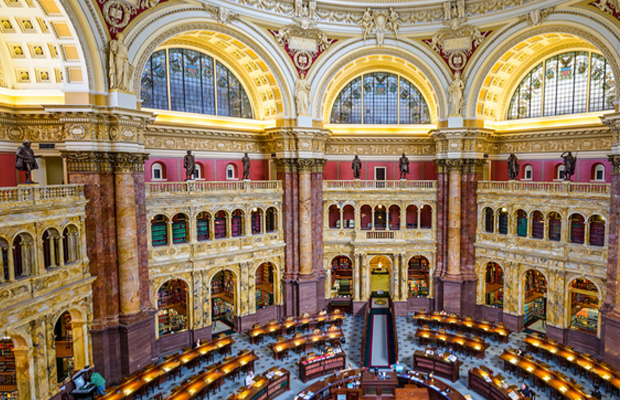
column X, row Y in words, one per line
column 219, row 227
column 236, row 224
column 179, row 229
column 521, row 225
column 313, row 367
column 223, row 295
column 159, row 234
column 535, row 309
column 417, row 277
column 584, row 305
column 8, row 377
column 202, row 226
column 342, row 277
column 577, row 231
column 597, row 233
column 538, row 228
column 172, row 305
column 264, row 286
column 255, row 223
column 417, row 287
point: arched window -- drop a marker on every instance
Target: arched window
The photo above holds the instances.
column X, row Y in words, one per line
column 394, row 217
column 199, row 172
column 380, row 217
column 223, row 301
column 417, row 276
column 265, row 287
column 342, row 277
column 426, row 217
column 23, row 255
column 198, row 84
column 521, row 223
column 412, row 217
column 4, row 260
column 528, row 173
column 538, row 225
column 559, row 85
column 63, row 342
column 220, row 228
column 597, row 231
column 236, row 223
column 51, row 248
column 203, row 222
column 231, row 171
column 494, row 285
column 172, row 307
column 577, row 229
column 489, row 221
column 348, row 217
column 555, row 226
column 179, row 229
column 502, row 226
column 584, row 304
column 366, row 217
column 71, row 244
column 158, row 172
column 380, row 98
column 159, row 230
column 256, row 220
column 334, row 216
column 560, row 175
column 271, row 222
column 598, row 173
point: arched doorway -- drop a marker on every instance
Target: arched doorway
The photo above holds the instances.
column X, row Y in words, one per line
column 342, row 277
column 8, row 370
column 265, row 285
column 63, row 341
column 584, row 301
column 494, row 285
column 380, row 268
column 172, row 307
column 535, row 300
column 223, row 302
column 417, row 277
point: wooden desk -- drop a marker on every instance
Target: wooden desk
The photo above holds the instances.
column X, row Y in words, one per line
column 384, row 388
column 436, row 365
column 310, row 368
column 605, row 374
column 436, row 388
column 476, row 346
column 159, row 372
column 550, row 378
column 335, row 318
column 265, row 388
column 490, row 386
column 245, row 360
column 412, row 393
column 484, row 328
column 306, row 341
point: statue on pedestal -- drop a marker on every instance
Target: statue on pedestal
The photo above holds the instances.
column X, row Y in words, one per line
column 569, row 165
column 403, row 165
column 25, row 160
column 190, row 166
column 513, row 167
column 119, row 67
column 357, row 167
column 456, row 95
column 246, row 166
column 302, row 95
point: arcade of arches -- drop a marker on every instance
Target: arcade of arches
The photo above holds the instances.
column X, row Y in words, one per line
column 117, row 245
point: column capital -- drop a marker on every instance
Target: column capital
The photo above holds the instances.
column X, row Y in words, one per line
column 613, row 122
column 87, row 161
column 614, row 159
column 129, row 162
column 297, row 142
column 465, row 165
column 465, row 143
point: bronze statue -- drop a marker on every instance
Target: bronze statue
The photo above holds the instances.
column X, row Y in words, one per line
column 403, row 165
column 246, row 166
column 513, row 167
column 190, row 165
column 569, row 165
column 357, row 167
column 25, row 160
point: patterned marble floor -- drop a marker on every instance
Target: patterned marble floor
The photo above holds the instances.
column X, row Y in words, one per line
column 353, row 327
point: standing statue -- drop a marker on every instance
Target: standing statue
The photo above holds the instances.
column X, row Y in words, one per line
column 25, row 160
column 456, row 95
column 357, row 167
column 569, row 165
column 513, row 167
column 367, row 23
column 246, row 166
column 190, row 166
column 302, row 95
column 120, row 69
column 393, row 21
column 403, row 165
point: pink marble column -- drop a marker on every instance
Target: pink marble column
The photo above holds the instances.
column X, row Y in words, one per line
column 454, row 225
column 305, row 218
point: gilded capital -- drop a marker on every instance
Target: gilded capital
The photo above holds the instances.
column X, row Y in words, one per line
column 87, row 161
column 614, row 159
column 463, row 165
column 129, row 162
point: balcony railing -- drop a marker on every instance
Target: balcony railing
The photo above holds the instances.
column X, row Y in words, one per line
column 380, row 235
column 20, row 195
column 568, row 188
column 158, row 188
column 359, row 184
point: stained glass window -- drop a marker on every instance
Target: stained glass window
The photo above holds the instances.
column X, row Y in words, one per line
column 195, row 80
column 380, row 98
column 573, row 82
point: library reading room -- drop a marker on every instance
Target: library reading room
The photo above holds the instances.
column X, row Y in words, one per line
column 309, row 199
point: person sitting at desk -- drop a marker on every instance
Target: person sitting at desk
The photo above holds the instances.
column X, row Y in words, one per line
column 398, row 367
column 97, row 380
column 443, row 312
column 525, row 390
column 597, row 392
column 520, row 353
column 249, row 380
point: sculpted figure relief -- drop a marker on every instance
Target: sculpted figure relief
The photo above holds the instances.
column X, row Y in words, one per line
column 513, row 166
column 403, row 166
column 119, row 67
column 190, row 165
column 25, row 160
column 394, row 21
column 246, row 166
column 302, row 96
column 368, row 23
column 569, row 165
column 357, row 167
column 455, row 91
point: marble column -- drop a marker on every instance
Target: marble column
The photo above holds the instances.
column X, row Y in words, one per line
column 357, row 289
column 24, row 379
column 305, row 219
column 454, row 225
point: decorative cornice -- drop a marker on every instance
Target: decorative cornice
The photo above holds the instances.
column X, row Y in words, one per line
column 463, row 165
column 614, row 159
column 87, row 161
column 128, row 163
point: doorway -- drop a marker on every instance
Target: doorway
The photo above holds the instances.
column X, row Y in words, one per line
column 380, row 268
column 535, row 301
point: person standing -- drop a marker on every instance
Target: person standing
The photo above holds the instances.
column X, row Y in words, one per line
column 97, row 380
